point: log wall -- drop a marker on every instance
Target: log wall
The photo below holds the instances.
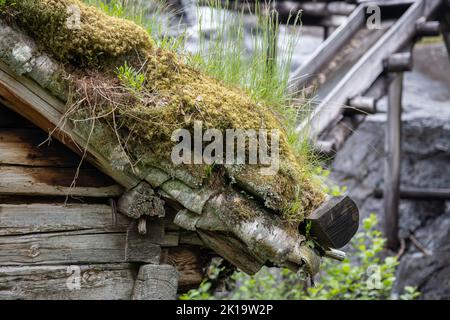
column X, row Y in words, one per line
column 60, row 237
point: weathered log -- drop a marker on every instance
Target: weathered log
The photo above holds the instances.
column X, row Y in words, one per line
column 21, row 147
column 141, row 201
column 156, row 282
column 392, row 160
column 187, row 219
column 154, row 176
column 16, row 219
column 145, row 248
column 90, row 282
column 47, row 181
column 264, row 234
column 193, row 200
column 343, row 130
column 233, row 250
column 211, row 222
column 334, row 223
column 62, row 248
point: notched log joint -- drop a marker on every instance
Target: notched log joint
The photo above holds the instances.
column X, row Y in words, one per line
column 141, row 202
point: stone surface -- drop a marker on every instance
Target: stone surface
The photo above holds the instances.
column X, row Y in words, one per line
column 425, row 164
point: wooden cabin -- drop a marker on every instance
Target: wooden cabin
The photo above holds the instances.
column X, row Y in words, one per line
column 62, row 238
column 77, row 223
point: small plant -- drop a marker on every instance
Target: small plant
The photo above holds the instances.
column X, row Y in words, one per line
column 113, row 8
column 366, row 275
column 131, row 78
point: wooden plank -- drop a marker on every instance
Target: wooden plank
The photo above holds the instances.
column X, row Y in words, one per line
column 34, row 103
column 392, row 160
column 22, row 147
column 327, row 50
column 89, row 282
column 366, row 70
column 232, row 250
column 156, row 282
column 335, row 222
column 46, row 181
column 145, row 247
column 141, row 201
column 419, row 193
column 16, row 219
column 75, row 247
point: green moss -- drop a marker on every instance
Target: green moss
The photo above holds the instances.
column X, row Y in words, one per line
column 173, row 96
column 99, row 36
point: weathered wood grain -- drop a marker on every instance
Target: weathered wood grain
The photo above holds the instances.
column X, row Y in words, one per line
column 335, row 222
column 96, row 282
column 145, row 247
column 141, row 201
column 23, row 147
column 327, row 50
column 16, row 219
column 232, row 250
column 45, row 181
column 62, row 248
column 156, row 282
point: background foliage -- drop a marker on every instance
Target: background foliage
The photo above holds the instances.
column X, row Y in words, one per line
column 366, row 275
